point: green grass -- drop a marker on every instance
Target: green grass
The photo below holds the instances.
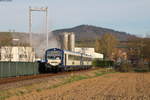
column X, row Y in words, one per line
column 4, row 95
column 74, row 78
column 98, row 74
column 39, row 89
column 69, row 80
column 55, row 86
column 104, row 71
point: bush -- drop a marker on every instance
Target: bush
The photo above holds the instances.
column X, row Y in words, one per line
column 128, row 67
column 102, row 63
column 141, row 69
column 124, row 67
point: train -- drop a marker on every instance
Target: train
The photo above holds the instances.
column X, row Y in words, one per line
column 56, row 60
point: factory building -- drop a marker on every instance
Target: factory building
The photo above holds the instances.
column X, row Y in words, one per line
column 17, row 53
column 68, row 41
column 89, row 51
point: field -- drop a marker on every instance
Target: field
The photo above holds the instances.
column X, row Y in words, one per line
column 112, row 86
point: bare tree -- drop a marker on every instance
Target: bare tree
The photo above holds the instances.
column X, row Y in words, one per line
column 106, row 45
column 146, row 50
column 139, row 50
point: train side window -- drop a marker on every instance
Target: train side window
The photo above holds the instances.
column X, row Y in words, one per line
column 71, row 57
column 74, row 57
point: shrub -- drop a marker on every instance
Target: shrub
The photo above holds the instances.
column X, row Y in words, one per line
column 102, row 63
column 142, row 67
column 124, row 67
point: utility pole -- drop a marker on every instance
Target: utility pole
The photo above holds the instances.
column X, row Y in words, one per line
column 30, row 26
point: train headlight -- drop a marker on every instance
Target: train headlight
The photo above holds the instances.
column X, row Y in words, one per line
column 54, row 62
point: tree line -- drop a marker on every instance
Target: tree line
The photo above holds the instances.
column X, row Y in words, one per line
column 137, row 49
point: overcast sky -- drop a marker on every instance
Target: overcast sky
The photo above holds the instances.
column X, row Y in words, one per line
column 132, row 16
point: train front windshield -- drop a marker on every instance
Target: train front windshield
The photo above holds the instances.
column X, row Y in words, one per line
column 54, row 55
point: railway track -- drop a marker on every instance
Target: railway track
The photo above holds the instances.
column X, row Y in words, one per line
column 21, row 78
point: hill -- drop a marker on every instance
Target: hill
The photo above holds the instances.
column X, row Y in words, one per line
column 89, row 32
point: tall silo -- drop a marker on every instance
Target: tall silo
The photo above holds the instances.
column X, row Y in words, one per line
column 65, row 41
column 71, row 43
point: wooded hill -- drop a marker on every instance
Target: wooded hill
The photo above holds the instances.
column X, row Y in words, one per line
column 87, row 34
column 84, row 32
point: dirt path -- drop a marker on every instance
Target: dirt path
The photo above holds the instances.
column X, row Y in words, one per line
column 117, row 86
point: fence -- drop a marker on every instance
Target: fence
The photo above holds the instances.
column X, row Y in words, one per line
column 10, row 69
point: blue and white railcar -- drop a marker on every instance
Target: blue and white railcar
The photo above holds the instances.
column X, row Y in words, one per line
column 58, row 59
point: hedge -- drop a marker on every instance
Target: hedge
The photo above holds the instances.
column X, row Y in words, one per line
column 102, row 63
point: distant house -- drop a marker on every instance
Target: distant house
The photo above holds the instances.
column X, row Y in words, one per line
column 119, row 55
column 17, row 53
column 89, row 51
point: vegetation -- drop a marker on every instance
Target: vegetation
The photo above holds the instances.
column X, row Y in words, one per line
column 102, row 63
column 124, row 67
column 106, row 45
column 139, row 52
column 84, row 43
column 74, row 78
column 90, row 33
column 128, row 67
column 5, row 38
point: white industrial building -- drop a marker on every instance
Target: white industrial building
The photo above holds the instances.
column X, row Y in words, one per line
column 89, row 51
column 17, row 53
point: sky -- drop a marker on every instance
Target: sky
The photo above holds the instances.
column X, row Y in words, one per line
column 131, row 16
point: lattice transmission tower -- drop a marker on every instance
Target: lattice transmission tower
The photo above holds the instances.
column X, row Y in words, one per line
column 42, row 9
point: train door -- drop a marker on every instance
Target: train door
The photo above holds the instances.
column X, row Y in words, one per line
column 65, row 59
column 81, row 61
